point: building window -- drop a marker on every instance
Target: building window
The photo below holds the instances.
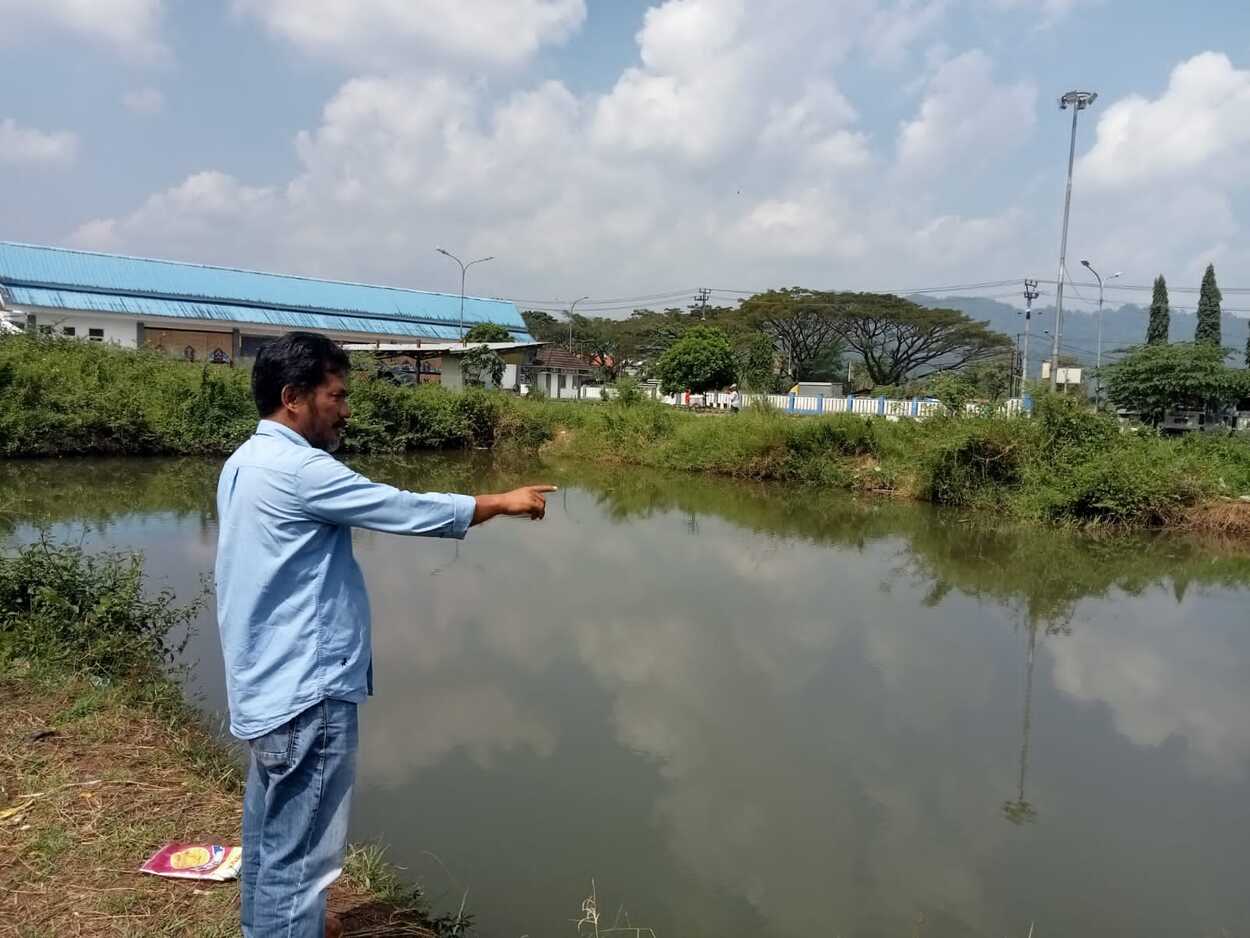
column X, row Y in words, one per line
column 68, row 330
column 95, row 335
column 45, row 330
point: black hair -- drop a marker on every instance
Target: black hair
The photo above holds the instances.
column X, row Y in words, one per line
column 299, row 359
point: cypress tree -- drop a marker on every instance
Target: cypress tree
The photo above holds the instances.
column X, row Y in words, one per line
column 1208, row 332
column 1160, row 317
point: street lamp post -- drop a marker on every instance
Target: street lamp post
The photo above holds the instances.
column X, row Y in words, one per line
column 1078, row 101
column 569, row 313
column 463, row 270
column 1098, row 367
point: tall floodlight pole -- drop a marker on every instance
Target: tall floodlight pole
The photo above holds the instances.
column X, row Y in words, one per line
column 1078, row 101
column 569, row 313
column 1098, row 367
column 463, row 270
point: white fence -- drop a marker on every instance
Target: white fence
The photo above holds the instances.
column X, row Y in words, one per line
column 890, row 408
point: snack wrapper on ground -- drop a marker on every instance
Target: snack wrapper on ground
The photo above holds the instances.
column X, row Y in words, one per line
column 195, row 861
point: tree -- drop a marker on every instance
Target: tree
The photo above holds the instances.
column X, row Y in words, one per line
column 802, row 324
column 1248, row 351
column 1152, row 379
column 1160, row 317
column 897, row 338
column 757, row 364
column 701, row 360
column 478, row 363
column 544, row 327
column 487, row 332
column 1208, row 331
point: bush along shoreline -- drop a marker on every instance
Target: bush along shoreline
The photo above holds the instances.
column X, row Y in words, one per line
column 1065, row 464
column 104, row 761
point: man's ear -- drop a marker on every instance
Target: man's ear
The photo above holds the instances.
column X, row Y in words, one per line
column 292, row 397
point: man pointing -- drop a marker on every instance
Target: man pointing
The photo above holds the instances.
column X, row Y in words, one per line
column 294, row 620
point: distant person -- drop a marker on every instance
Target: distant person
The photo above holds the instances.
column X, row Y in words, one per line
column 735, row 399
column 294, row 620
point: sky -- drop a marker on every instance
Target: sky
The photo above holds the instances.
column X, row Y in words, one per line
column 634, row 151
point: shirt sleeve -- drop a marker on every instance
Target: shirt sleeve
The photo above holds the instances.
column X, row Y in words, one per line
column 331, row 492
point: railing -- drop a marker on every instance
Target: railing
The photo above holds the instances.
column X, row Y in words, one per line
column 889, row 408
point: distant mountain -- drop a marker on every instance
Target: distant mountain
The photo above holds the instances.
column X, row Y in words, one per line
column 1122, row 326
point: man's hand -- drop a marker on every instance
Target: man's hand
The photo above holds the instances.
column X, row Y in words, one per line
column 527, row 500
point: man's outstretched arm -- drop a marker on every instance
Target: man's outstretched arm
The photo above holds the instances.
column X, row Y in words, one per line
column 334, row 493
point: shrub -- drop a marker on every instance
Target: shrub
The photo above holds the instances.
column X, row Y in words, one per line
column 975, row 460
column 88, row 613
column 627, row 392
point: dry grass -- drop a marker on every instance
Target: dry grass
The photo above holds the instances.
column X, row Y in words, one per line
column 1223, row 518
column 90, row 786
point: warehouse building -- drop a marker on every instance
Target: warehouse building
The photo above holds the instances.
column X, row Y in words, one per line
column 220, row 314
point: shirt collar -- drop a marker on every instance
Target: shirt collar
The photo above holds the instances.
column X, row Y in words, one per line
column 273, row 428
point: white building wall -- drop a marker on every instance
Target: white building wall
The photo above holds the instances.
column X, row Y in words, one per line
column 119, row 330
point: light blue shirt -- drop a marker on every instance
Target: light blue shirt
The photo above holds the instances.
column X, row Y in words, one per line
column 291, row 599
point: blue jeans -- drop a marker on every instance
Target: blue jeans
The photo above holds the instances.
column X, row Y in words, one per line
column 299, row 792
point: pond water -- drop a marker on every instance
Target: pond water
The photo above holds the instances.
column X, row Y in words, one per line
column 758, row 711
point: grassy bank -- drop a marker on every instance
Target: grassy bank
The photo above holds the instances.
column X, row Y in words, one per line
column 1066, row 464
column 102, row 761
column 62, row 397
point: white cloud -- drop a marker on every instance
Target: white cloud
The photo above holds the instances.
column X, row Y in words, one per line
column 27, row 146
column 188, row 219
column 405, row 33
column 131, row 26
column 966, row 117
column 144, row 101
column 1198, row 128
column 726, row 153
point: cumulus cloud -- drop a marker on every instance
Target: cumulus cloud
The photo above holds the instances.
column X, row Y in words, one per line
column 1198, row 128
column 1163, row 182
column 144, row 101
column 370, row 33
column 726, row 152
column 130, row 26
column 966, row 116
column 28, row 146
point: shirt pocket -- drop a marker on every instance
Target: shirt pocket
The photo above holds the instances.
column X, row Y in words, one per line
column 275, row 750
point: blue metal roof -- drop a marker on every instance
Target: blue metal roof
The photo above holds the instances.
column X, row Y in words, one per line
column 64, row 279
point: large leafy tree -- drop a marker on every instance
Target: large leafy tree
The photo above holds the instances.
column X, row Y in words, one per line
column 1152, row 379
column 1160, row 315
column 1208, row 331
column 803, row 326
column 544, row 327
column 487, row 332
column 898, row 339
column 757, row 363
column 701, row 360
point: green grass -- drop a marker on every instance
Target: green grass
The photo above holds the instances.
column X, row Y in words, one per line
column 1065, row 464
column 62, row 397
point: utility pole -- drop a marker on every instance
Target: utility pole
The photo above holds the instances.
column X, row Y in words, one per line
column 1030, row 294
column 703, row 294
column 1078, row 101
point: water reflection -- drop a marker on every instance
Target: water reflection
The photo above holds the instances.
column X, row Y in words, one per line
column 745, row 710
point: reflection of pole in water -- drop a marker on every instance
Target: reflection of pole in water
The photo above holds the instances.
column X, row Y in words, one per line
column 1020, row 810
column 692, row 523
